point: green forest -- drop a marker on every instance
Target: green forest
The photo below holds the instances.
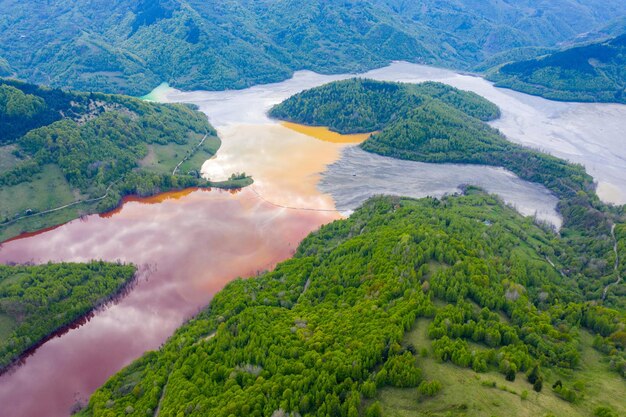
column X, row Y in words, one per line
column 361, row 105
column 59, row 147
column 592, row 72
column 36, row 301
column 433, row 122
column 130, row 47
column 331, row 331
column 456, row 306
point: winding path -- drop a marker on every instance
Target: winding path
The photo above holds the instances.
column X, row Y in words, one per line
column 191, row 154
column 555, row 267
column 41, row 213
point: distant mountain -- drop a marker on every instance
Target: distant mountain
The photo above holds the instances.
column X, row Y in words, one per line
column 593, row 72
column 126, row 46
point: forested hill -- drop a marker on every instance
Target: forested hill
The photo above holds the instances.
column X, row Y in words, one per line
column 130, row 46
column 593, row 72
column 428, row 122
column 435, row 123
column 361, row 105
column 36, row 301
column 404, row 301
column 59, row 148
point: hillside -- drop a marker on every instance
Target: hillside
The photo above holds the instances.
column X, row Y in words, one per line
column 87, row 150
column 36, row 301
column 435, row 123
column 130, row 47
column 428, row 122
column 369, row 311
column 363, row 106
column 593, row 72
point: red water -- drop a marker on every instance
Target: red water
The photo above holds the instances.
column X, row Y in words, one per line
column 188, row 246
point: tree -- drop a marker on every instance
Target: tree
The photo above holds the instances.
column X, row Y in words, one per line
column 374, row 410
column 429, row 389
column 369, row 389
column 534, row 374
column 510, row 374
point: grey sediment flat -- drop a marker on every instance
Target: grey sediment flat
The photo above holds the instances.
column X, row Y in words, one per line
column 592, row 134
column 358, row 175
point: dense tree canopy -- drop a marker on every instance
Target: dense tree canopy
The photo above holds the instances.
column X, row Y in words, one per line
column 592, row 72
column 322, row 332
column 35, row 301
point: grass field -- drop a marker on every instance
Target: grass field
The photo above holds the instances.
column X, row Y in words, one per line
column 37, row 223
column 164, row 158
column 47, row 190
column 7, row 159
column 470, row 394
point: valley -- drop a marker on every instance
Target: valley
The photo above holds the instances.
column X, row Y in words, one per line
column 322, row 208
column 301, row 182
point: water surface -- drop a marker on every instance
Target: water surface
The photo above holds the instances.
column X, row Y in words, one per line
column 190, row 244
column 188, row 248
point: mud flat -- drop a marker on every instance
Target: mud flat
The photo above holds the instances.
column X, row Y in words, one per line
column 358, row 175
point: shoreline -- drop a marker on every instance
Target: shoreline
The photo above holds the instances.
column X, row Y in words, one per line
column 122, row 291
column 228, row 185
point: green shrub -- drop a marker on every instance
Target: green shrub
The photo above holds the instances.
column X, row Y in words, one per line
column 369, row 389
column 429, row 389
column 604, row 412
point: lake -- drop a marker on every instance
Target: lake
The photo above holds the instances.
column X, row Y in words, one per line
column 190, row 244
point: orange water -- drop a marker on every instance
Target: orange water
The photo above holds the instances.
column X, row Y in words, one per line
column 325, row 134
column 286, row 165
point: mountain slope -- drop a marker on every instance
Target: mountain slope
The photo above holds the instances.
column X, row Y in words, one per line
column 130, row 47
column 593, row 72
column 328, row 332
